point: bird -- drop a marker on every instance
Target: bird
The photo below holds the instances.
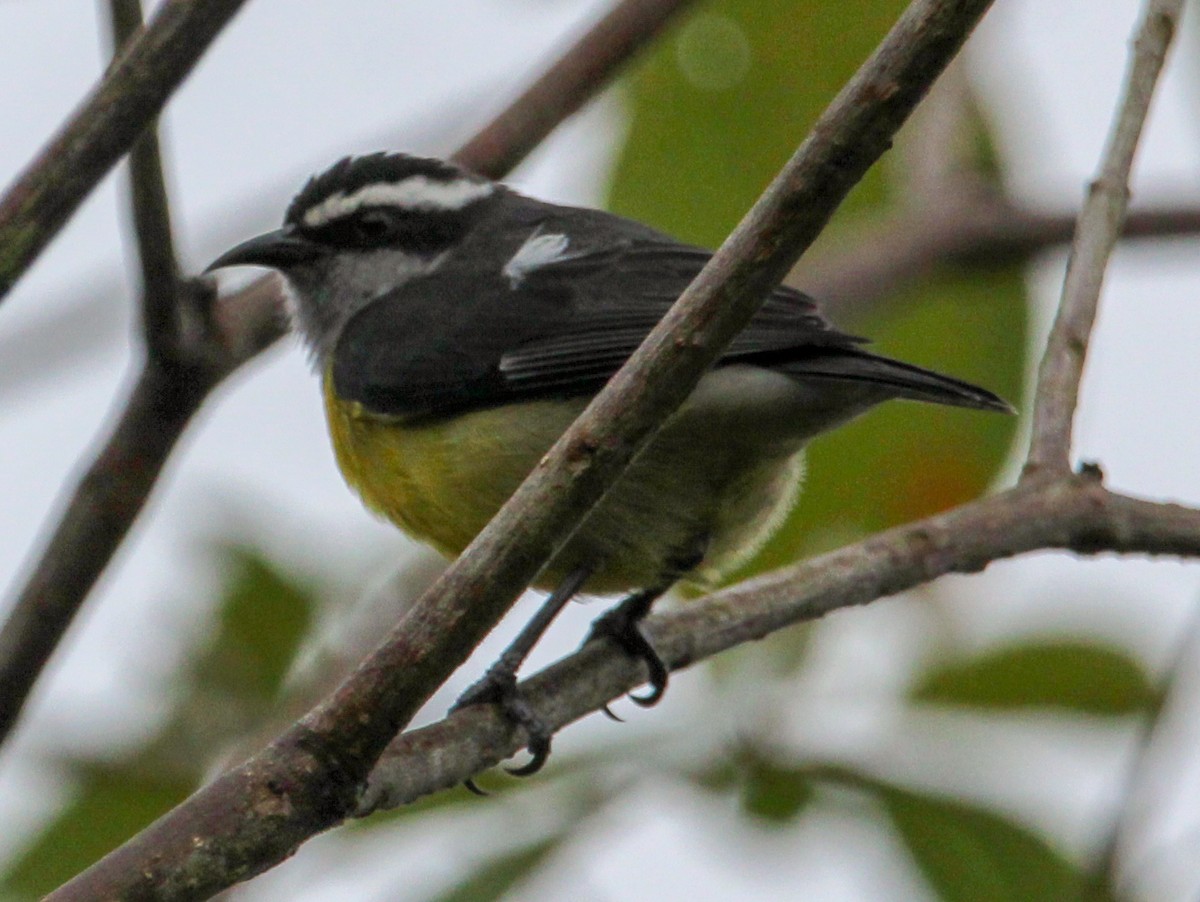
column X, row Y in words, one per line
column 458, row 327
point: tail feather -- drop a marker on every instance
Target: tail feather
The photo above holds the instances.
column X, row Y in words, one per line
column 902, row 380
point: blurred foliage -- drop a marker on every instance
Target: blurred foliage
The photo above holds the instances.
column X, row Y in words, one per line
column 494, row 879
column 971, row 854
column 769, row 789
column 107, row 804
column 227, row 687
column 719, row 107
column 967, row 853
column 1071, row 675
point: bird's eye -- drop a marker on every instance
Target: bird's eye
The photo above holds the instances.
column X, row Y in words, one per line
column 373, row 226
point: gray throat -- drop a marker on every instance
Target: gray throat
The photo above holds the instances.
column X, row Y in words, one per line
column 325, row 294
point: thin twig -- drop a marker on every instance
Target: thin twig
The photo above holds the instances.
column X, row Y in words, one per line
column 128, row 98
column 177, row 372
column 100, row 512
column 1099, row 226
column 969, row 224
column 508, row 139
column 1104, row 875
column 208, row 341
column 1072, row 512
column 149, row 205
column 308, row 779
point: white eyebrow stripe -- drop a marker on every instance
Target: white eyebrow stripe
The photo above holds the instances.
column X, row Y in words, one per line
column 538, row 250
column 417, row 192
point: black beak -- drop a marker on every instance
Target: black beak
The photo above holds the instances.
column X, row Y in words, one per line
column 278, row 250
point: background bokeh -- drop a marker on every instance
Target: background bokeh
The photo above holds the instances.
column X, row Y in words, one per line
column 970, row 740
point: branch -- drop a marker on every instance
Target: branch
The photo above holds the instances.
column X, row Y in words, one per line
column 195, row 344
column 187, row 354
column 967, row 223
column 308, row 779
column 566, row 85
column 1099, row 225
column 127, row 99
column 1072, row 512
column 1147, row 763
column 149, row 203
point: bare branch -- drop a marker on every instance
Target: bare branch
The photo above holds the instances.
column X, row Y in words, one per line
column 182, row 364
column 213, row 341
column 127, row 99
column 1072, row 512
column 198, row 343
column 969, row 223
column 1099, row 225
column 566, row 85
column 101, row 510
column 308, row 779
column 149, row 204
column 1104, row 876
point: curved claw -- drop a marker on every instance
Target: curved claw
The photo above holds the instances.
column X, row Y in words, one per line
column 472, row 787
column 498, row 687
column 638, row 646
column 608, row 712
column 658, row 683
column 539, row 748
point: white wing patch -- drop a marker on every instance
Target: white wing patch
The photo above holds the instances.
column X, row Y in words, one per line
column 538, row 250
column 417, row 192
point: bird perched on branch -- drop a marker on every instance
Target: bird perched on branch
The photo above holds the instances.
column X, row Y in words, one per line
column 459, row 328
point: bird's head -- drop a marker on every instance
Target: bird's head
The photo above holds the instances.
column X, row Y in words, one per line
column 363, row 227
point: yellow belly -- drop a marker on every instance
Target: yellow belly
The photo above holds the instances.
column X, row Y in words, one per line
column 441, row 481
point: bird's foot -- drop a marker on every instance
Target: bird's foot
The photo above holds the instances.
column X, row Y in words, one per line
column 499, row 687
column 622, row 626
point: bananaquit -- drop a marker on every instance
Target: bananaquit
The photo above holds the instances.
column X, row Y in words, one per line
column 460, row 327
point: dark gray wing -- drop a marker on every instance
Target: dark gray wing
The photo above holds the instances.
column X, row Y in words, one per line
column 466, row 338
column 617, row 307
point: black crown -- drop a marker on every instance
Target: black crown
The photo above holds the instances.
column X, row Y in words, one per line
column 352, row 173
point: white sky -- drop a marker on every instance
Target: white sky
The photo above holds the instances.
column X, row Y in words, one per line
column 291, row 87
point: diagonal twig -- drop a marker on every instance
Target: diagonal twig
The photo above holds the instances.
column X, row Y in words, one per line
column 128, row 98
column 307, row 780
column 507, row 140
column 1104, row 875
column 149, row 204
column 1096, row 235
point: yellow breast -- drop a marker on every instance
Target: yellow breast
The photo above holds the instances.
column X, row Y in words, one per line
column 442, row 480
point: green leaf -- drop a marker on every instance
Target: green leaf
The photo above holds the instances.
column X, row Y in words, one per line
column 775, row 793
column 264, row 617
column 1065, row 674
column 768, row 789
column 229, row 685
column 725, row 99
column 498, row 876
column 970, row 854
column 110, row 804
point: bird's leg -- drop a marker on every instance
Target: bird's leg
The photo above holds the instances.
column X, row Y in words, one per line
column 499, row 684
column 622, row 625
